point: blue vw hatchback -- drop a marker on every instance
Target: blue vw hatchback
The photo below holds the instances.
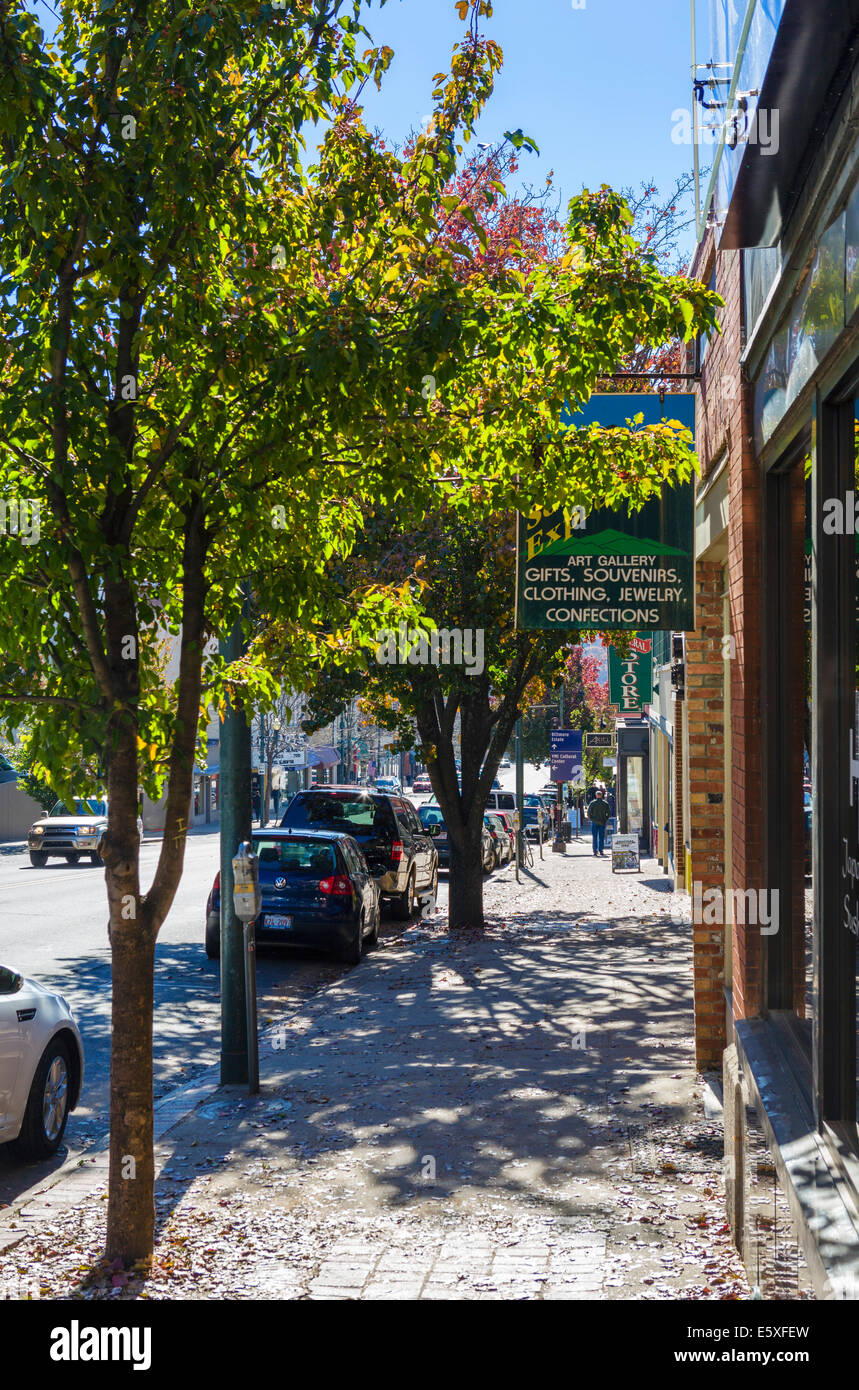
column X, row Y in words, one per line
column 316, row 890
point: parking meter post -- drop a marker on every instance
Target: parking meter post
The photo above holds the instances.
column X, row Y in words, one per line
column 251, row 1007
column 235, row 816
column 247, row 901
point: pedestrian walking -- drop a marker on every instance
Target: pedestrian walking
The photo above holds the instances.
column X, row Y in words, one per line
column 598, row 813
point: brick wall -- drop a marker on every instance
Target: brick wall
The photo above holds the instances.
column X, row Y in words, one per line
column 724, row 432
column 704, row 715
column 677, row 775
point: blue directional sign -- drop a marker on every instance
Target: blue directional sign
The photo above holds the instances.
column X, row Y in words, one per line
column 566, row 750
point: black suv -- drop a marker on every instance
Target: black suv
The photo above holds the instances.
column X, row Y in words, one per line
column 401, row 855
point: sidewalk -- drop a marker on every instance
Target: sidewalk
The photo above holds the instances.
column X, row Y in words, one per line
column 512, row 1117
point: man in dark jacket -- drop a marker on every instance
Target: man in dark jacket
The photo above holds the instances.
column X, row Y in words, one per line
column 598, row 813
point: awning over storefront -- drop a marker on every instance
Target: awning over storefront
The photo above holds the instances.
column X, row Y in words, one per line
column 325, row 756
column 801, row 83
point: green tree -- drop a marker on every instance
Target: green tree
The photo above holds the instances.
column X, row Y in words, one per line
column 212, row 360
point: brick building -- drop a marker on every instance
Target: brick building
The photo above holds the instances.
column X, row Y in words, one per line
column 766, row 769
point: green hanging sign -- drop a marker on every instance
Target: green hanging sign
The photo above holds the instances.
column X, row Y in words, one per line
column 612, row 569
column 630, row 678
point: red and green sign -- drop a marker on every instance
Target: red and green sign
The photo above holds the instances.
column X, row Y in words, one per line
column 630, row 677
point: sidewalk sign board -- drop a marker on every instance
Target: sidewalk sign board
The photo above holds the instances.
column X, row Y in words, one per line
column 625, row 853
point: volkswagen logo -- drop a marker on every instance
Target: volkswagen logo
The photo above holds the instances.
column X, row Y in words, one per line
column 280, row 883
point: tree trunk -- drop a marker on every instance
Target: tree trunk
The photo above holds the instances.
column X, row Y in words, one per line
column 131, row 1200
column 135, row 921
column 466, row 878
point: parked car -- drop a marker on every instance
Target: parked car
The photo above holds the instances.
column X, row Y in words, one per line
column 41, row 1066
column 392, row 785
column 506, row 819
column 434, row 823
column 316, row 890
column 501, row 801
column 534, row 818
column 505, row 762
column 421, row 785
column 500, row 839
column 401, row 856
column 69, row 834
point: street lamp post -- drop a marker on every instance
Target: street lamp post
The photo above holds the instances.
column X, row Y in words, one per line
column 558, row 844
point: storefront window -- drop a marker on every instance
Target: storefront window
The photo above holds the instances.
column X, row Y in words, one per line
column 634, row 796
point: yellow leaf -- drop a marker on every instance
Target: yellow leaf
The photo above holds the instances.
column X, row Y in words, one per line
column 462, row 8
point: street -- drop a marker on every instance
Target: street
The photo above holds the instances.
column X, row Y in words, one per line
column 53, row 930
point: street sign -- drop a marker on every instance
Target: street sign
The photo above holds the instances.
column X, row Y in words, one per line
column 566, row 755
column 612, row 568
column 630, row 677
column 294, row 758
column 599, row 740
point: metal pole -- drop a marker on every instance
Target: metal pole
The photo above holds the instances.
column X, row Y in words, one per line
column 559, row 844
column 249, row 931
column 696, row 164
column 235, row 787
column 520, row 796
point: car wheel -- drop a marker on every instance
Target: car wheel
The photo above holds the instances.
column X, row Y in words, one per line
column 404, row 905
column 72, row 858
column 97, row 859
column 372, row 941
column 38, row 858
column 351, row 954
column 47, row 1105
column 213, row 937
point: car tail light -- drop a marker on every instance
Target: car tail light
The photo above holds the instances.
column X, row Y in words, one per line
column 396, row 851
column 216, row 886
column 338, row 886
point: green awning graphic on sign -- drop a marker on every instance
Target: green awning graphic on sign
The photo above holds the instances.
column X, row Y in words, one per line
column 610, row 543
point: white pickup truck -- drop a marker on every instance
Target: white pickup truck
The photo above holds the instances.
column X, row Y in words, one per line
column 69, row 834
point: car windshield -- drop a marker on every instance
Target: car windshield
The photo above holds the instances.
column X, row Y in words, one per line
column 431, row 815
column 361, row 816
column 81, row 808
column 296, row 856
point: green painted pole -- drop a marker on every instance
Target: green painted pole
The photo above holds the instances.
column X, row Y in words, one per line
column 520, row 797
column 236, row 824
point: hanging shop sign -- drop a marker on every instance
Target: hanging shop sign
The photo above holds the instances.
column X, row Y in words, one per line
column 599, row 740
column 612, row 568
column 630, row 677
column 566, row 755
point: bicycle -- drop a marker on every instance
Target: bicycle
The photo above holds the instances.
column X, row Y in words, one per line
column 527, row 854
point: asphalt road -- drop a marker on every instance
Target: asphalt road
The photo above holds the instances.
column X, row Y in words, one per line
column 53, row 928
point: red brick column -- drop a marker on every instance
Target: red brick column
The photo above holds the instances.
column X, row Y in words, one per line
column 677, row 773
column 705, row 721
column 744, row 569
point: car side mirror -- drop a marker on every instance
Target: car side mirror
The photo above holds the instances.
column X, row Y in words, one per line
column 10, row 981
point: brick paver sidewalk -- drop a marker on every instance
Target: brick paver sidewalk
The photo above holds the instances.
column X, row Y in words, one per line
column 511, row 1117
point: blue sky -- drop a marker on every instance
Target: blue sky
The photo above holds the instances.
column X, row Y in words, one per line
column 593, row 82
column 595, row 87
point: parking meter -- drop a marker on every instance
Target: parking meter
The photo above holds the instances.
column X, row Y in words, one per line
column 247, row 902
column 247, row 899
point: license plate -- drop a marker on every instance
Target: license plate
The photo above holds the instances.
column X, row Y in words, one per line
column 276, row 921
